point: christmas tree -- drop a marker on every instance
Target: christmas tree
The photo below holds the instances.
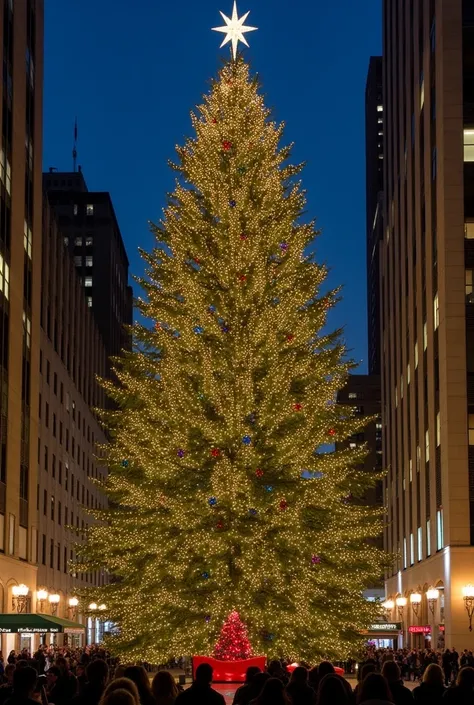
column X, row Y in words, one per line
column 233, row 644
column 225, row 490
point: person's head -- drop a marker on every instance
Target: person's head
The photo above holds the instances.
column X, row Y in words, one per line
column 391, row 671
column 313, row 676
column 203, row 674
column 24, row 681
column 300, row 675
column 433, row 675
column 119, row 697
column 164, row 685
column 274, row 666
column 365, row 670
column 80, row 670
column 140, row 677
column 374, row 687
column 21, row 663
column 273, row 693
column 331, row 690
column 62, row 663
column 120, row 671
column 52, row 675
column 9, row 671
column 465, row 678
column 97, row 672
column 250, row 673
column 257, row 683
column 123, row 684
column 324, row 668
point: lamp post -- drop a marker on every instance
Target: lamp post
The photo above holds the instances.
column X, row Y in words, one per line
column 54, row 602
column 388, row 606
column 432, row 595
column 20, row 600
column 401, row 603
column 41, row 596
column 72, row 606
column 468, row 597
column 415, row 602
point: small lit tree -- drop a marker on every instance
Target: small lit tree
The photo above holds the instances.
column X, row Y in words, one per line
column 233, row 644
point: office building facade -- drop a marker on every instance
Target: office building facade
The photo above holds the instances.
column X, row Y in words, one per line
column 21, row 37
column 427, row 321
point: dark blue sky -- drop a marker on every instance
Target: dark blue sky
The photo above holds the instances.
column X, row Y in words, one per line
column 131, row 72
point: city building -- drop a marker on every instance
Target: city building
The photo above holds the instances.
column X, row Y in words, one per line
column 374, row 204
column 427, row 320
column 21, row 34
column 91, row 232
column 362, row 392
column 72, row 354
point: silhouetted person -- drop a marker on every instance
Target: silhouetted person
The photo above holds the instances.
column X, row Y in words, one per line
column 201, row 693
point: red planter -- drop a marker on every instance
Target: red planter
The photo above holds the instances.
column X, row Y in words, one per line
column 229, row 671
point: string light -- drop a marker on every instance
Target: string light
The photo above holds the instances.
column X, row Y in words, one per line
column 206, row 410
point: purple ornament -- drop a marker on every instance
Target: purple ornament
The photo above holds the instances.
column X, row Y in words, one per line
column 315, row 560
column 284, row 246
column 180, row 453
column 207, row 618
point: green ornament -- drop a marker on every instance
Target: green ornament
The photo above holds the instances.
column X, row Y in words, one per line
column 242, row 169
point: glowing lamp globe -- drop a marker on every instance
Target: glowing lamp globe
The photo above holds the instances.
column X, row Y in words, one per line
column 432, row 594
column 42, row 595
column 468, row 591
column 388, row 605
column 415, row 598
column 54, row 599
column 73, row 602
column 401, row 601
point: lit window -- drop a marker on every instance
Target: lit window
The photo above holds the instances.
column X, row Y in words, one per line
column 75, row 209
column 438, row 429
column 420, row 543
column 422, row 91
column 379, row 108
column 469, row 231
column 378, row 426
column 87, row 281
column 469, row 145
column 4, row 277
column 380, row 121
column 27, row 238
column 78, row 260
column 404, row 554
column 66, row 241
column 427, row 446
column 89, row 240
column 8, row 178
column 428, row 537
column 27, row 329
column 352, row 445
column 89, row 301
column 78, row 241
column 89, row 209
column 410, row 469
column 89, row 261
column 416, row 354
column 469, row 281
column 401, row 387
column 471, row 429
column 425, row 336
column 408, row 374
column 436, row 311
column 440, row 529
column 412, row 549
column 418, row 458
column 352, row 395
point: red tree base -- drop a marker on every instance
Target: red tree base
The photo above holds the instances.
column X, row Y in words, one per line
column 229, row 671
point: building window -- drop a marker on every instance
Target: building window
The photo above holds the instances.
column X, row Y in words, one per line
column 89, row 301
column 89, row 240
column 416, row 354
column 427, row 446
column 66, row 241
column 469, row 282
column 436, row 311
column 440, row 529
column 4, row 277
column 380, row 108
column 420, row 543
column 471, row 429
column 469, row 145
column 412, row 550
column 78, row 241
column 89, row 261
column 404, row 554
column 75, row 209
column 87, row 281
column 27, row 329
column 78, row 260
column 27, row 238
column 89, row 209
column 5, row 171
column 438, row 429
column 469, row 230
column 359, row 410
column 425, row 336
column 422, row 91
column 428, row 538
column 52, row 507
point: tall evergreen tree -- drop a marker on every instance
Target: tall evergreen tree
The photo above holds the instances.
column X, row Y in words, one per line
column 223, row 493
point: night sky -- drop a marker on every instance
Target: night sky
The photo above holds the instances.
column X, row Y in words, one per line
column 131, row 72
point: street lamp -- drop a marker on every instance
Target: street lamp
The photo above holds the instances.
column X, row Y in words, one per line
column 415, row 601
column 468, row 597
column 93, row 606
column 41, row 596
column 388, row 606
column 54, row 602
column 20, row 599
column 72, row 606
column 401, row 603
column 102, row 607
column 432, row 596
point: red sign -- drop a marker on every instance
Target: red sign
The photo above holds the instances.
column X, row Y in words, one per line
column 419, row 630
column 229, row 671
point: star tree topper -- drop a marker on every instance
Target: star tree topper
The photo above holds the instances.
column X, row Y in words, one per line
column 234, row 28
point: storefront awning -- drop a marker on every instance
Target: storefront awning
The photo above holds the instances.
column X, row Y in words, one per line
column 38, row 624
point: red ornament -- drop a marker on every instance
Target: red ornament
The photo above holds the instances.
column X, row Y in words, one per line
column 244, row 236
column 242, row 278
column 226, row 145
column 258, row 472
column 214, row 121
column 233, row 643
column 158, row 325
column 215, row 452
column 297, row 407
column 283, row 505
column 290, row 338
column 197, row 261
column 332, row 432
column 220, row 524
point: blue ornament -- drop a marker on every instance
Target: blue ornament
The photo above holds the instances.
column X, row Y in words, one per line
column 125, row 463
column 253, row 512
column 207, row 618
column 247, row 440
column 225, row 329
column 212, row 308
column 269, row 488
column 198, row 330
column 212, row 501
column 180, row 453
column 232, row 203
column 205, row 575
column 176, row 334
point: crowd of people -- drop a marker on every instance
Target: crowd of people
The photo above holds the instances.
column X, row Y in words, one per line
column 90, row 676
